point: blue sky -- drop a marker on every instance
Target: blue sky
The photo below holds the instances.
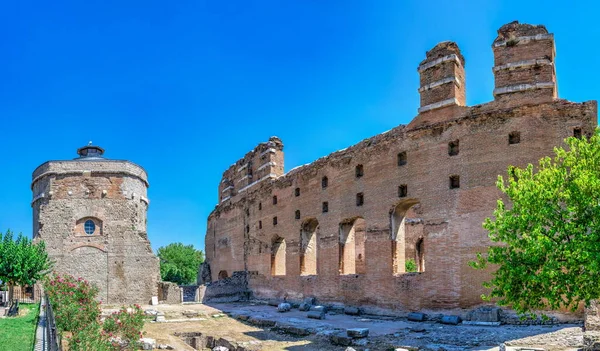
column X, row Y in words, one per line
column 185, row 88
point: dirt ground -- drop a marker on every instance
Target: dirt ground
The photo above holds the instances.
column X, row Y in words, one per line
column 218, row 320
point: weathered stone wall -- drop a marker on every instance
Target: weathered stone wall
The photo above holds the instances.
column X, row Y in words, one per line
column 233, row 288
column 117, row 257
column 169, row 293
column 423, row 190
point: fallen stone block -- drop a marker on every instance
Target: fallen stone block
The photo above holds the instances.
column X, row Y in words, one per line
column 349, row 349
column 340, row 339
column 147, row 343
column 453, row 320
column 318, row 308
column 304, row 307
column 150, row 312
column 160, row 317
column 220, row 348
column 293, row 330
column 485, row 324
column 352, row 311
column 335, row 308
column 260, row 322
column 357, row 333
column 484, row 314
column 416, row 317
column 316, row 314
column 164, row 347
column 284, row 307
column 273, row 303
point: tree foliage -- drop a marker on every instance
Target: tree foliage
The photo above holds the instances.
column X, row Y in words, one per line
column 179, row 263
column 22, row 262
column 548, row 254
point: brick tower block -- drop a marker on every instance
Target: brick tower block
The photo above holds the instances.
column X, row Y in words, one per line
column 524, row 64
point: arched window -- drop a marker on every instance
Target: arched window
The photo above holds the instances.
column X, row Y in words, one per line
column 89, row 227
column 324, row 182
column 223, row 275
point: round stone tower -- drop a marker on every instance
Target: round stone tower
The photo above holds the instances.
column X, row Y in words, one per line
column 91, row 213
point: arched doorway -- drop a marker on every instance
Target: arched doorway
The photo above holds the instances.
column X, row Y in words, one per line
column 308, row 247
column 398, row 231
column 352, row 246
column 278, row 251
column 223, row 275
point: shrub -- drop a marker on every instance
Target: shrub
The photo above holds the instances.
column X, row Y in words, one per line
column 74, row 302
column 126, row 324
column 411, row 265
column 77, row 311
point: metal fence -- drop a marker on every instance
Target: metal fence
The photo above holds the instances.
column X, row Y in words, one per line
column 26, row 294
column 51, row 336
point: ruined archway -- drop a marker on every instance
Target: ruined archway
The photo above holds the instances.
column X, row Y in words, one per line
column 398, row 232
column 223, row 275
column 352, row 246
column 308, row 247
column 278, row 253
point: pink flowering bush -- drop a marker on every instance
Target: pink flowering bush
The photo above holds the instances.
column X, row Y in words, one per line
column 78, row 312
column 73, row 301
column 125, row 324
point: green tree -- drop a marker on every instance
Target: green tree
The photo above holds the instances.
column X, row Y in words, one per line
column 548, row 254
column 22, row 262
column 179, row 263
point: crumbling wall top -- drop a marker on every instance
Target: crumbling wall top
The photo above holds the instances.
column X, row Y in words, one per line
column 443, row 49
column 515, row 29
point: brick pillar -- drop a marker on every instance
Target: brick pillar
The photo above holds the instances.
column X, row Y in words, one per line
column 442, row 77
column 524, row 63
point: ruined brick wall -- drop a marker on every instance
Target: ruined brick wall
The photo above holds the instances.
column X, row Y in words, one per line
column 117, row 256
column 169, row 293
column 420, row 191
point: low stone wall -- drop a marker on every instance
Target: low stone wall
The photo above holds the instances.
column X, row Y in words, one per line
column 231, row 289
column 169, row 293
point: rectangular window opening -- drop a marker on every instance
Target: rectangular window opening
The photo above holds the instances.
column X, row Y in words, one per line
column 324, row 182
column 325, row 207
column 402, row 158
column 297, row 215
column 274, row 220
column 514, row 138
column 297, row 192
column 453, row 148
column 454, row 182
column 274, row 200
column 360, row 199
column 359, row 171
column 402, row 190
column 577, row 132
